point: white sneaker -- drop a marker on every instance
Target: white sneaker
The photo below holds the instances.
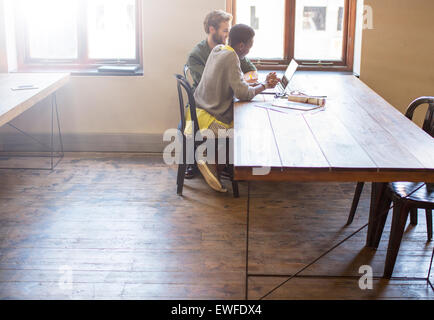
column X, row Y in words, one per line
column 210, row 177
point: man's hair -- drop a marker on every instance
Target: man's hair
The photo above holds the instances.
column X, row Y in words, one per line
column 240, row 33
column 214, row 18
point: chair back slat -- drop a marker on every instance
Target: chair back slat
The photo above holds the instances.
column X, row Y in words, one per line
column 428, row 124
column 182, row 84
column 186, row 75
column 181, row 107
column 185, row 71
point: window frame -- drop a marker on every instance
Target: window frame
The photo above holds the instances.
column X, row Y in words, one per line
column 349, row 27
column 82, row 63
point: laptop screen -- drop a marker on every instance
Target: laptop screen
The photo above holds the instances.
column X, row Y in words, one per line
column 289, row 73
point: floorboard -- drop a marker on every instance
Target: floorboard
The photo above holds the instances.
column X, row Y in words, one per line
column 110, row 226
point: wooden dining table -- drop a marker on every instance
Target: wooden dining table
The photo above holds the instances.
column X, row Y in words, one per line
column 358, row 136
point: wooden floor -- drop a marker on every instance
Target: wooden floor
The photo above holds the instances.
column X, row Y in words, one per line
column 113, row 225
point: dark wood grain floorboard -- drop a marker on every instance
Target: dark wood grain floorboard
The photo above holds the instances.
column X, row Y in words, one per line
column 115, row 222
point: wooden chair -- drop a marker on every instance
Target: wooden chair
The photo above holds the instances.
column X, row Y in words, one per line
column 428, row 126
column 191, row 170
column 184, row 86
column 407, row 198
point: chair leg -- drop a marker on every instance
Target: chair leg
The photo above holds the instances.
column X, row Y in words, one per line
column 217, row 164
column 235, row 189
column 400, row 215
column 234, row 183
column 356, row 199
column 429, row 223
column 378, row 191
column 180, row 179
column 383, row 209
column 413, row 216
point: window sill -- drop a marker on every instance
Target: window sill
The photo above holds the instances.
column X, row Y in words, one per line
column 96, row 73
column 282, row 67
column 80, row 72
column 263, row 72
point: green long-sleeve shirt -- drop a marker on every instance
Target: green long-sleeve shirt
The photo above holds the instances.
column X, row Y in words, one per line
column 197, row 60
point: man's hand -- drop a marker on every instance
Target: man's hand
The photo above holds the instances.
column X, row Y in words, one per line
column 272, row 80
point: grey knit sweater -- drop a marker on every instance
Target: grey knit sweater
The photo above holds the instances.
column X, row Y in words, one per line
column 222, row 79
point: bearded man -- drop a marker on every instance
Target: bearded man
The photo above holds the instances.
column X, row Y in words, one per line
column 217, row 25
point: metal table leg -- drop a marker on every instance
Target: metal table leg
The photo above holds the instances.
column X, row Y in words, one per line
column 50, row 149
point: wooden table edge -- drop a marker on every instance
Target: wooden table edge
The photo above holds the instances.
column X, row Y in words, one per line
column 334, row 175
column 24, row 106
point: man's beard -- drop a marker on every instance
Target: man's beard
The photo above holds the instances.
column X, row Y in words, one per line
column 217, row 39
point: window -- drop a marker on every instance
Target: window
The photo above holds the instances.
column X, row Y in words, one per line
column 77, row 34
column 319, row 34
column 265, row 18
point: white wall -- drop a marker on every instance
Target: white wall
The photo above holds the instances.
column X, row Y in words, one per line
column 10, row 35
column 3, row 55
column 397, row 53
column 358, row 37
column 134, row 105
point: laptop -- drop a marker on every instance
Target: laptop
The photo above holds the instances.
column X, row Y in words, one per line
column 286, row 79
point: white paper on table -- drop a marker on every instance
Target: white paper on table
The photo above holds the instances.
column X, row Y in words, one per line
column 269, row 106
column 294, row 105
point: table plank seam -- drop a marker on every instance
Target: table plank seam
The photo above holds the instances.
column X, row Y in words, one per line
column 362, row 105
column 403, row 147
column 358, row 142
column 354, row 100
column 274, row 136
column 317, row 142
